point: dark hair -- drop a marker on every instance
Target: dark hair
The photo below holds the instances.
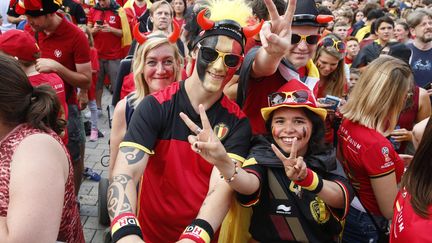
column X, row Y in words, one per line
column 316, row 141
column 417, row 179
column 260, row 10
column 20, row 102
column 375, row 14
column 405, row 26
column 384, row 19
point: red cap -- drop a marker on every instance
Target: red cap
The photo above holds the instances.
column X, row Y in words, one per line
column 19, row 44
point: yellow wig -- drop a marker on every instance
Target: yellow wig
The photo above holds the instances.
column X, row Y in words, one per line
column 236, row 10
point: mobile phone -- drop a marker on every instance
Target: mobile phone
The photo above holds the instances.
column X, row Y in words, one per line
column 99, row 22
column 427, row 86
column 333, row 101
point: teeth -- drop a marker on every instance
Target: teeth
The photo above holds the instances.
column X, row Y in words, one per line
column 289, row 140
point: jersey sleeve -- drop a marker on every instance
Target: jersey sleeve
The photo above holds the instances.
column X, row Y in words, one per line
column 379, row 159
column 347, row 190
column 251, row 166
column 144, row 126
column 238, row 143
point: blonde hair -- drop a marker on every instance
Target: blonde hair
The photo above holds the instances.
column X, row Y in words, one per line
column 141, row 87
column 221, row 10
column 379, row 95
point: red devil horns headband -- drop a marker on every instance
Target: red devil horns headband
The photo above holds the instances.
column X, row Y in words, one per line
column 141, row 38
column 207, row 24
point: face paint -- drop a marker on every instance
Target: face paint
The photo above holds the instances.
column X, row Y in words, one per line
column 304, row 132
column 216, row 74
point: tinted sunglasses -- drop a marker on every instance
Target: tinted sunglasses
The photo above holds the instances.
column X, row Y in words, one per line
column 310, row 39
column 337, row 44
column 211, row 55
column 299, row 96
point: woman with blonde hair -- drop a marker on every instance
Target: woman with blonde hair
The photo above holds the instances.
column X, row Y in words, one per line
column 369, row 159
column 157, row 63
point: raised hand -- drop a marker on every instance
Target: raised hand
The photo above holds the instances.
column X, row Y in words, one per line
column 205, row 142
column 275, row 34
column 295, row 167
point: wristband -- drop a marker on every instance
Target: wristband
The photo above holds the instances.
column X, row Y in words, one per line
column 312, row 182
column 123, row 225
column 199, row 231
column 233, row 176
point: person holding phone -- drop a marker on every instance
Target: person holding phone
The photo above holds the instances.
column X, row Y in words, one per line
column 286, row 178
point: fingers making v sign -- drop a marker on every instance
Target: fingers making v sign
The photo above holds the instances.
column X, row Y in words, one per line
column 295, row 167
column 275, row 34
column 205, row 142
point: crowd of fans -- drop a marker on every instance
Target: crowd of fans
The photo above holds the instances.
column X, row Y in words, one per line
column 234, row 121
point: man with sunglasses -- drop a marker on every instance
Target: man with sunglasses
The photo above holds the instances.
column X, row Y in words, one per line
column 288, row 44
column 181, row 195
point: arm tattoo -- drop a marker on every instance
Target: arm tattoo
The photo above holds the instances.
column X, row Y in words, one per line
column 118, row 202
column 132, row 155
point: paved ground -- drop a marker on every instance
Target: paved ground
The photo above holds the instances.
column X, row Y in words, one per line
column 88, row 194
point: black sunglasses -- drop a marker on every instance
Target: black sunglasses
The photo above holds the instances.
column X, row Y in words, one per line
column 310, row 39
column 211, row 55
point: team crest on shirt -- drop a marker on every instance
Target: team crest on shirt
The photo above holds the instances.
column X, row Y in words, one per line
column 57, row 53
column 221, row 130
column 319, row 211
column 112, row 20
column 385, row 153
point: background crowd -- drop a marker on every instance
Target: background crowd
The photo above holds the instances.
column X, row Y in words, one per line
column 232, row 120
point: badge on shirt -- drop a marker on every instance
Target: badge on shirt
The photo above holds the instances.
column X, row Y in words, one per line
column 221, row 130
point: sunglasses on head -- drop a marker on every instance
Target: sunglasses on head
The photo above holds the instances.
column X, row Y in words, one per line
column 211, row 55
column 310, row 39
column 337, row 44
column 277, row 98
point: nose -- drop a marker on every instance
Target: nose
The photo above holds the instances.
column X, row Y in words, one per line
column 302, row 45
column 218, row 64
column 160, row 68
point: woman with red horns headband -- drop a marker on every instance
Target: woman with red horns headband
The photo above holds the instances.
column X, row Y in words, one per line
column 181, row 195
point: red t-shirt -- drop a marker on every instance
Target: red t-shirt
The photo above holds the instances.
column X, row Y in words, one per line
column 180, row 22
column 366, row 154
column 108, row 45
column 407, row 226
column 67, row 45
column 139, row 10
column 95, row 69
column 53, row 80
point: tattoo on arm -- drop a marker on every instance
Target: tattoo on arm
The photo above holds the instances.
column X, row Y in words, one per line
column 118, row 202
column 132, row 155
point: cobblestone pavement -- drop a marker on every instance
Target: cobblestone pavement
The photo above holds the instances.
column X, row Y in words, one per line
column 88, row 194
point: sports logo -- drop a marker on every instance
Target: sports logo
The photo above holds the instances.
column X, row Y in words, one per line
column 57, row 53
column 221, row 130
column 319, row 211
column 283, row 209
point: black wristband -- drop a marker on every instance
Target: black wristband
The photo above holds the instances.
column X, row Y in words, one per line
column 204, row 225
column 125, row 231
column 319, row 186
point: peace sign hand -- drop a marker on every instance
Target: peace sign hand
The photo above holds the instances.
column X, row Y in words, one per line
column 205, row 142
column 275, row 34
column 295, row 167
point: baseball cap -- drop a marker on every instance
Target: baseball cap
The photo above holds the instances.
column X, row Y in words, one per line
column 19, row 44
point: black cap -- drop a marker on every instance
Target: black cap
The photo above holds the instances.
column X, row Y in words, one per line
column 306, row 13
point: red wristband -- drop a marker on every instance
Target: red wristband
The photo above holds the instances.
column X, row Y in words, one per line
column 312, row 182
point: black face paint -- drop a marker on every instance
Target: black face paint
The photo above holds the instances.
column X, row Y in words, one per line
column 304, row 132
column 202, row 65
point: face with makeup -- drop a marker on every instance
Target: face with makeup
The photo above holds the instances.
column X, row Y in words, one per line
column 289, row 123
column 215, row 74
column 160, row 67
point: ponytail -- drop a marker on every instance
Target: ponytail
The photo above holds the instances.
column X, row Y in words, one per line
column 43, row 111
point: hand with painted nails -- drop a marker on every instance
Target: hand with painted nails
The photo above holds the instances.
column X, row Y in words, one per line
column 205, row 142
column 275, row 34
column 295, row 167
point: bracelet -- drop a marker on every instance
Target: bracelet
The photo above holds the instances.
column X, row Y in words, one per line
column 123, row 225
column 312, row 182
column 199, row 231
column 235, row 172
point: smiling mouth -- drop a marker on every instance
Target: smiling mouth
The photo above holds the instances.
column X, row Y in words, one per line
column 288, row 140
column 215, row 76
